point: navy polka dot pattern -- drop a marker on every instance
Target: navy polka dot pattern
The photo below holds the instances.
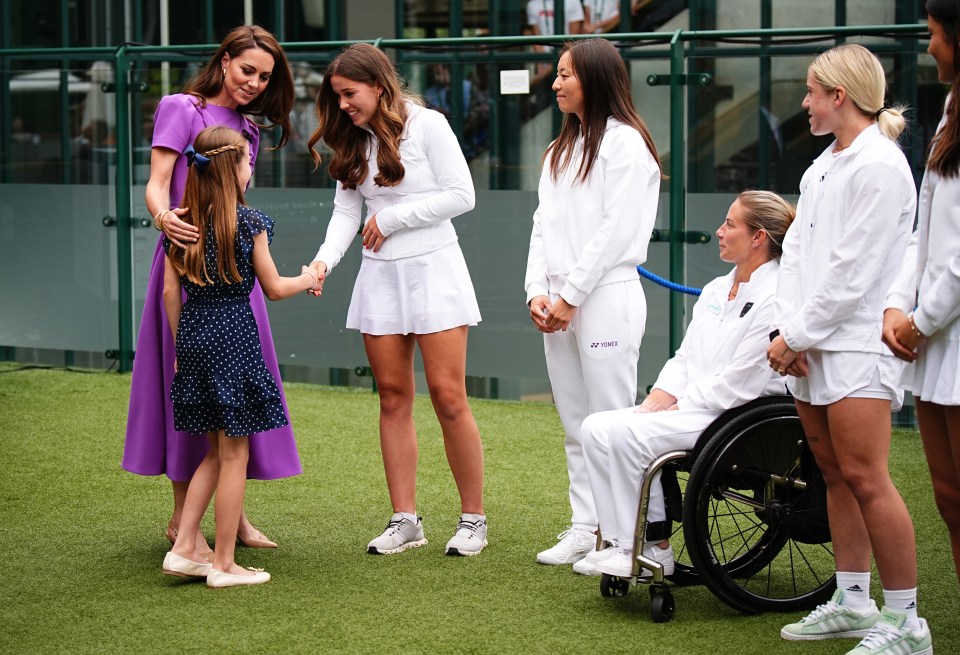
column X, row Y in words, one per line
column 221, row 381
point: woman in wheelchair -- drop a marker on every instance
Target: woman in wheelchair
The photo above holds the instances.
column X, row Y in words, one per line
column 720, row 365
column 856, row 210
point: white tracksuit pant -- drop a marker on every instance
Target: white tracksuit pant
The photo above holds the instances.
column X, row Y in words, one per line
column 593, row 368
column 619, row 446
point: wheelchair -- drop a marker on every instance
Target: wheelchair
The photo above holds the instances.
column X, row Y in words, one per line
column 746, row 516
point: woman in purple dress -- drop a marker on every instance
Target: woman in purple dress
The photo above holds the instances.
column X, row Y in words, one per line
column 247, row 76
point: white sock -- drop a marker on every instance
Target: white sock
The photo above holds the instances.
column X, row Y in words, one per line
column 904, row 600
column 410, row 517
column 473, row 518
column 855, row 588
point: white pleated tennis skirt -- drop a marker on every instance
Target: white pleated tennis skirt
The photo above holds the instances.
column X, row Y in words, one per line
column 933, row 377
column 835, row 375
column 413, row 295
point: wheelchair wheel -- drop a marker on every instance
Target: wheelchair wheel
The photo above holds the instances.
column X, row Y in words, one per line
column 754, row 516
column 613, row 587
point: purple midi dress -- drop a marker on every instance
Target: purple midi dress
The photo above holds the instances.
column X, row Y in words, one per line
column 153, row 446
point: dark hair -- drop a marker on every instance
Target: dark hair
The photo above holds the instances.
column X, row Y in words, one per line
column 276, row 101
column 365, row 64
column 217, row 190
column 944, row 156
column 605, row 83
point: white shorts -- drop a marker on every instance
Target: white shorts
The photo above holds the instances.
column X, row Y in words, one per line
column 838, row 375
column 413, row 295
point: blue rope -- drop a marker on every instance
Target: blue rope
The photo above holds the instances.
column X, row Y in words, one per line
column 673, row 286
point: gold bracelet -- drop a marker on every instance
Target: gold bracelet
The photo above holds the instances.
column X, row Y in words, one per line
column 158, row 219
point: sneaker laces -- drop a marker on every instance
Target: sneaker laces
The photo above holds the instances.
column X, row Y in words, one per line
column 882, row 634
column 823, row 611
column 470, row 526
column 395, row 524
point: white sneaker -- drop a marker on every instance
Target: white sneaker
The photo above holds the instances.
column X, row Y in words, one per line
column 662, row 556
column 399, row 535
column 573, row 547
column 889, row 636
column 621, row 564
column 469, row 539
column 833, row 620
column 588, row 565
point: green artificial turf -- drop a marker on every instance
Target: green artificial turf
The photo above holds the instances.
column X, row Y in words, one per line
column 82, row 543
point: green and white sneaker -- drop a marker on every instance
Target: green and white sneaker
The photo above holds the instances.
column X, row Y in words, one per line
column 399, row 535
column 832, row 620
column 890, row 637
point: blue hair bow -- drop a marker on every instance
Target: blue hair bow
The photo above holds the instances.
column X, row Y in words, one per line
column 195, row 158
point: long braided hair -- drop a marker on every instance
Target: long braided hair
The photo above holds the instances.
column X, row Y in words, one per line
column 212, row 194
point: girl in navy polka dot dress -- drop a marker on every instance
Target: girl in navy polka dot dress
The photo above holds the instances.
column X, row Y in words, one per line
column 221, row 387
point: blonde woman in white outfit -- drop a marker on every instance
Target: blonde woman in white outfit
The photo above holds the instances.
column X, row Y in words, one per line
column 856, row 209
column 413, row 289
column 598, row 203
column 922, row 322
column 721, row 364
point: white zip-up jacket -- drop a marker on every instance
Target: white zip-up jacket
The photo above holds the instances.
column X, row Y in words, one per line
column 722, row 362
column 414, row 215
column 933, row 257
column 594, row 232
column 845, row 247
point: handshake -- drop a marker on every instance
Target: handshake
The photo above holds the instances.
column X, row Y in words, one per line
column 317, row 272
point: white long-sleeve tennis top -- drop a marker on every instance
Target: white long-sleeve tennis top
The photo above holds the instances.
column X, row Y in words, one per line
column 594, row 232
column 722, row 361
column 933, row 257
column 845, row 247
column 415, row 215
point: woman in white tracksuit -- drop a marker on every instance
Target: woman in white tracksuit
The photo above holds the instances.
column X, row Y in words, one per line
column 856, row 209
column 922, row 320
column 721, row 364
column 598, row 203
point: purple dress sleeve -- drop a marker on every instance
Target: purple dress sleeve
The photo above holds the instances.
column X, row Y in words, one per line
column 152, row 445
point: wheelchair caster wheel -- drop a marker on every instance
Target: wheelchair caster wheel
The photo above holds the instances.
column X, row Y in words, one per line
column 661, row 605
column 613, row 587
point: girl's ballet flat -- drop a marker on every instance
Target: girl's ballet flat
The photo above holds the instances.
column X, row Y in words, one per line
column 218, row 579
column 173, row 564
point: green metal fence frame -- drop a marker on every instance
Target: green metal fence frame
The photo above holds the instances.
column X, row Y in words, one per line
column 676, row 47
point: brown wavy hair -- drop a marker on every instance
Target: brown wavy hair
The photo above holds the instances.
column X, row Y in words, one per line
column 276, row 101
column 944, row 156
column 605, row 83
column 365, row 64
column 212, row 196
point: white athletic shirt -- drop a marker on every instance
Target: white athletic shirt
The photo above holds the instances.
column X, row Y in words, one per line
column 414, row 215
column 930, row 277
column 601, row 10
column 540, row 14
column 595, row 232
column 846, row 245
column 722, row 361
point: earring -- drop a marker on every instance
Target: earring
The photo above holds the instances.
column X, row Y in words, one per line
column 224, row 71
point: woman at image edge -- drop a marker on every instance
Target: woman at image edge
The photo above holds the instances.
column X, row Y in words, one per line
column 921, row 321
column 856, row 208
column 598, row 202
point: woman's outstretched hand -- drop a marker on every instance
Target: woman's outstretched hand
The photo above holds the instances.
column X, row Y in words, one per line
column 320, row 271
